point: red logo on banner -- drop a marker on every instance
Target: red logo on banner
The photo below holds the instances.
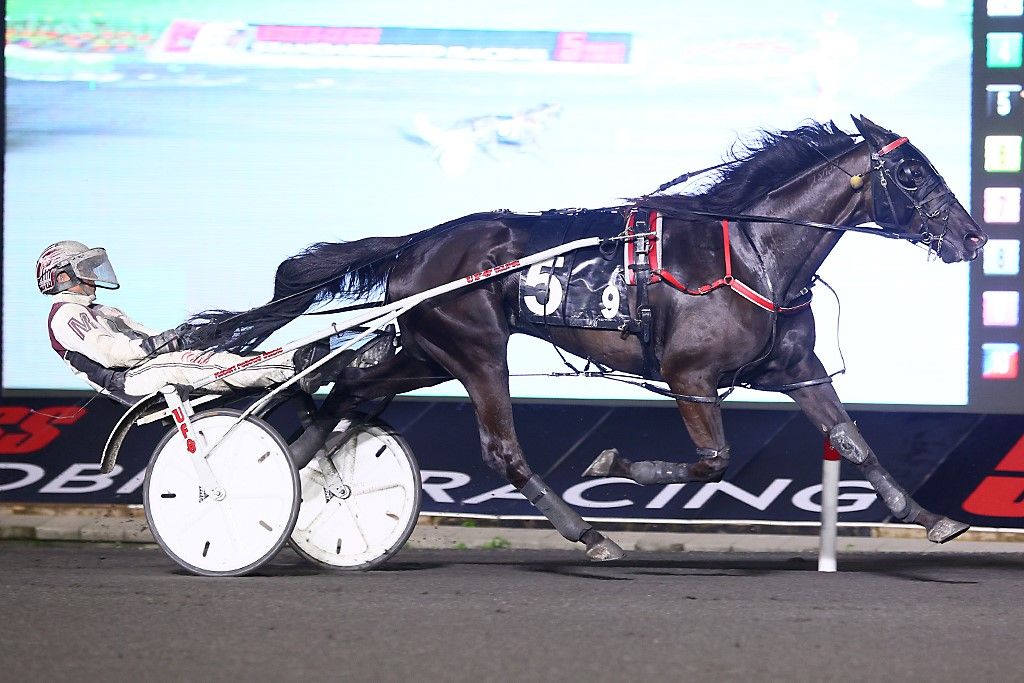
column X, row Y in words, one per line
column 1001, row 495
column 25, row 431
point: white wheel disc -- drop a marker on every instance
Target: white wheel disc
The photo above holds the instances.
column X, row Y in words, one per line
column 373, row 521
column 245, row 529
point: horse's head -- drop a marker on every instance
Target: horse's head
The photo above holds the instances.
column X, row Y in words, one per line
column 908, row 194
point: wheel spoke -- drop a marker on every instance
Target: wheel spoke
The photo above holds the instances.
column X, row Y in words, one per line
column 197, row 517
column 355, row 523
column 316, row 477
column 225, row 509
column 257, row 497
column 348, row 463
column 365, row 490
column 325, row 515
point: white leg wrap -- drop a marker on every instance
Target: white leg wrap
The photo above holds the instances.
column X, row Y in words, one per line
column 851, row 445
column 565, row 520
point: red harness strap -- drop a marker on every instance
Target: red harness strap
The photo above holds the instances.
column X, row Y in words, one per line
column 891, row 146
column 728, row 280
column 653, row 243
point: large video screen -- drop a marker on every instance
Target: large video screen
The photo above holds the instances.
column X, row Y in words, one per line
column 201, row 142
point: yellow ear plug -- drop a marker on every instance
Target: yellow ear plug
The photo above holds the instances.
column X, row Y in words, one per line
column 857, row 181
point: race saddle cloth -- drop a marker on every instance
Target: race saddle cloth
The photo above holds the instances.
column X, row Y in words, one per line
column 585, row 288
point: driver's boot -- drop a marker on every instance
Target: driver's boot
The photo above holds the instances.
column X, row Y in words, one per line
column 325, row 374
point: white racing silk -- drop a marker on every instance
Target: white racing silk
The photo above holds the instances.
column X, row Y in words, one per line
column 104, row 347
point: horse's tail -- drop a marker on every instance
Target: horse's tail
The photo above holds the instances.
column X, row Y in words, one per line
column 320, row 273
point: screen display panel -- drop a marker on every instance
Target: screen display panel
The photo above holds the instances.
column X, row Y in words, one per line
column 201, row 143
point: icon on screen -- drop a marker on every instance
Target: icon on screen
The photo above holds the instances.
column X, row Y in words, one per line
column 1003, row 99
column 1005, row 8
column 1000, row 309
column 1002, row 153
column 999, row 361
column 1002, row 205
column 1004, row 50
column 1001, row 257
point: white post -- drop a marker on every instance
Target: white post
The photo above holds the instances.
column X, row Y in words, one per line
column 829, row 511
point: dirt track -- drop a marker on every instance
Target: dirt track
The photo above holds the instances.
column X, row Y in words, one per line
column 85, row 611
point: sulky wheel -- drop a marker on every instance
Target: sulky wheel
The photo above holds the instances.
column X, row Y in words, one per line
column 379, row 505
column 234, row 533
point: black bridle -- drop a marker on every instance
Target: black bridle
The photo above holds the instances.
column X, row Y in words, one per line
column 892, row 215
column 927, row 195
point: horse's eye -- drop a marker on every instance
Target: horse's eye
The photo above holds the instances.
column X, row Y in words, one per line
column 909, row 175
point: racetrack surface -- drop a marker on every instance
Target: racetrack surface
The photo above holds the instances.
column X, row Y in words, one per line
column 87, row 612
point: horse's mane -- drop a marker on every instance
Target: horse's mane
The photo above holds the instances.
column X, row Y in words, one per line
column 756, row 167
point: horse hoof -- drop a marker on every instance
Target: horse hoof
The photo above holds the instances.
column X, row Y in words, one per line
column 946, row 529
column 602, row 465
column 714, row 477
column 605, row 550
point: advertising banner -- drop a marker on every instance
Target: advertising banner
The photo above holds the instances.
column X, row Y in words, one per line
column 301, row 45
column 969, row 467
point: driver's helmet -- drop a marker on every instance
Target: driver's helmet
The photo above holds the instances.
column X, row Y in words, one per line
column 81, row 263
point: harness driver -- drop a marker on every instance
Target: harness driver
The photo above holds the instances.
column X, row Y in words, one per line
column 126, row 360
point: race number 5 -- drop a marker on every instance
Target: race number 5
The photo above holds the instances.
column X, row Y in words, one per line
column 542, row 275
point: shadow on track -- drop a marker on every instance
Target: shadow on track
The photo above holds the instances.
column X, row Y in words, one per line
column 926, row 568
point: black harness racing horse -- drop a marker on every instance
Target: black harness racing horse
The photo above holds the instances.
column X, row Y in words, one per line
column 723, row 307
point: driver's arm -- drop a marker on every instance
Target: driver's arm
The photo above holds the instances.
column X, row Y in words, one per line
column 148, row 331
column 77, row 329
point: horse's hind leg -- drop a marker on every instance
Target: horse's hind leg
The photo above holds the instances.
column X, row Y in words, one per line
column 395, row 375
column 823, row 407
column 482, row 368
column 704, row 424
column 502, row 452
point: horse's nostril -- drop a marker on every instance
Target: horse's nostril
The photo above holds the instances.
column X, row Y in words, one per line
column 975, row 240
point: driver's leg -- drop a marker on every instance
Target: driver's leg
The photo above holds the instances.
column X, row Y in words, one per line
column 192, row 367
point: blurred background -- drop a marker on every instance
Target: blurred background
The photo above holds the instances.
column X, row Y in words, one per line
column 203, row 142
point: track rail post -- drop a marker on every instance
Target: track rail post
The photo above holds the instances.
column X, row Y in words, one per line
column 829, row 509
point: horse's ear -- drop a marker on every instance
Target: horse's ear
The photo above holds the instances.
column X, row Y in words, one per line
column 872, row 132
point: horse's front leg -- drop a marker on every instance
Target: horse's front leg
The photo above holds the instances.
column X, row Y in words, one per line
column 822, row 406
column 704, row 424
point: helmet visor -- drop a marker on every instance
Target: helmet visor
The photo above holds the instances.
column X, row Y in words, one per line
column 94, row 266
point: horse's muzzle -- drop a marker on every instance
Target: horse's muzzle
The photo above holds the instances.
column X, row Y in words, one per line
column 973, row 244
